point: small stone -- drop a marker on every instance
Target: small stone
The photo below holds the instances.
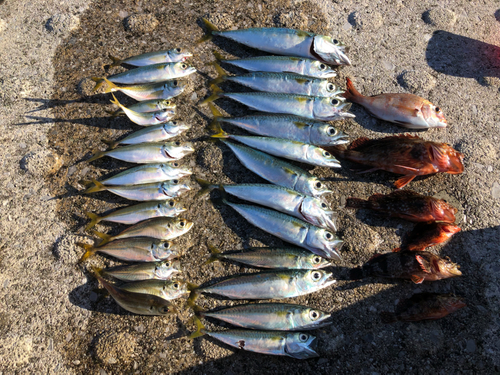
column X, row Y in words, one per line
column 387, row 65
column 60, row 24
column 140, row 328
column 470, row 346
column 69, row 336
column 77, row 362
column 439, row 17
column 112, row 360
column 194, row 96
column 489, row 168
column 136, row 365
column 41, row 163
column 123, row 14
column 22, row 145
column 71, row 170
column 417, row 81
column 495, row 190
column 141, row 23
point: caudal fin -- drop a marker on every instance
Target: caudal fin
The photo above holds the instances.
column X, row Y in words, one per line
column 206, row 187
column 96, row 188
column 216, row 95
column 200, row 329
column 90, row 250
column 221, row 75
column 105, row 237
column 214, row 254
column 94, row 219
column 356, row 203
column 351, row 93
column 111, row 144
column 215, row 126
column 116, row 61
column 388, row 317
column 209, row 29
column 97, row 155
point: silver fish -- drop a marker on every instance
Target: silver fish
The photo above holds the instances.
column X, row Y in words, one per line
column 163, row 270
column 146, row 118
column 166, row 289
column 286, row 42
column 315, row 239
column 272, row 316
column 286, row 83
column 156, row 191
column 290, row 202
column 138, row 249
column 148, row 153
column 156, row 57
column 162, row 228
column 285, row 148
column 282, row 64
column 311, row 107
column 139, row 212
column 147, row 173
column 150, row 74
column 297, row 345
column 138, row 303
column 147, row 106
column 158, row 90
column 290, row 127
column 270, row 285
column 272, row 257
column 155, row 133
column 277, row 171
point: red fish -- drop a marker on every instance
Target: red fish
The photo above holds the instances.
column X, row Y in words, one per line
column 425, row 235
column 407, row 205
column 408, row 155
column 416, row 266
column 408, row 110
column 424, row 306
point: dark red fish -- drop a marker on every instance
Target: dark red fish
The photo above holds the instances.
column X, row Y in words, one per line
column 425, row 235
column 407, row 205
column 416, row 266
column 424, row 306
column 404, row 154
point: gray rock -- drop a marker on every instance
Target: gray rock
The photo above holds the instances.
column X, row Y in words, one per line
column 495, row 190
column 439, row 17
column 141, row 23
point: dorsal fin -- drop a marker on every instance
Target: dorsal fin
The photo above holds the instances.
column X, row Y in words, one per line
column 359, row 142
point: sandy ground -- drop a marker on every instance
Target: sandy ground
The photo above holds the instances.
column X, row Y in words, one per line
column 51, row 320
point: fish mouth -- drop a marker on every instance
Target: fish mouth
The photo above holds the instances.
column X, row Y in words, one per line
column 340, row 140
column 189, row 225
column 342, row 59
column 190, row 70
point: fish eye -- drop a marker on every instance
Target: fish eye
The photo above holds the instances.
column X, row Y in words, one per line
column 184, row 66
column 330, row 87
column 171, row 203
column 177, row 143
column 322, row 67
column 331, row 130
column 437, row 109
column 303, row 337
column 313, row 314
column 318, row 185
column 175, row 182
column 175, row 83
column 178, row 49
column 335, row 101
column 316, row 276
column 159, row 206
column 316, row 260
column 167, row 264
column 182, row 223
column 176, row 286
column 166, row 245
column 328, row 235
column 323, row 205
column 327, row 154
column 163, row 309
column 335, row 41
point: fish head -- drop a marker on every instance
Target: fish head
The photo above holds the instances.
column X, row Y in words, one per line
column 165, row 104
column 313, row 319
column 330, row 50
column 315, row 261
column 456, row 161
column 327, row 134
column 301, row 345
column 322, row 157
column 313, row 186
column 443, row 211
column 180, row 126
column 449, row 229
column 175, row 288
column 180, row 169
column 329, row 109
column 174, row 188
column 163, row 307
column 317, row 212
column 451, row 302
column 177, row 85
column 161, row 250
column 433, row 115
column 163, row 115
column 177, row 150
column 325, row 241
column 171, row 208
column 179, row 54
column 183, row 69
column 182, row 226
column 320, row 69
column 166, row 268
column 318, row 279
column 328, row 89
column 445, row 268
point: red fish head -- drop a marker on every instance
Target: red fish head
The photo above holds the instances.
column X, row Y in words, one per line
column 451, row 302
column 450, row 229
column 445, row 268
column 433, row 115
column 446, row 159
column 442, row 211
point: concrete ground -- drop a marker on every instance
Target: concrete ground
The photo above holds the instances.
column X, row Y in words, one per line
column 52, row 321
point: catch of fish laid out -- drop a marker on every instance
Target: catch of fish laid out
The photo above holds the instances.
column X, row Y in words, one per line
column 296, row 103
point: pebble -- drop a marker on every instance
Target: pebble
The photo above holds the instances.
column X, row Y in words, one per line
column 495, row 190
column 417, row 81
column 141, row 23
column 61, row 24
column 41, row 163
column 439, row 17
column 194, row 96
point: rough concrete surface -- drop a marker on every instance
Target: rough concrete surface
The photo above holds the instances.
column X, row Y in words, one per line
column 52, row 321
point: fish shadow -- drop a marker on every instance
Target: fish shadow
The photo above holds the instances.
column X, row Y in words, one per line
column 460, row 56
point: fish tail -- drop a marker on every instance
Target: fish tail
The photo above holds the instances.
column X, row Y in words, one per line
column 221, row 75
column 98, row 82
column 94, row 219
column 214, row 254
column 218, row 56
column 112, row 113
column 116, row 61
column 90, row 250
column 356, row 273
column 216, row 95
column 115, row 101
column 85, row 183
column 200, row 329
column 96, row 188
column 98, row 155
column 209, row 29
column 219, row 132
column 388, row 317
column 206, row 187
column 111, row 144
column 111, row 86
column 356, row 203
column 105, row 237
column 351, row 93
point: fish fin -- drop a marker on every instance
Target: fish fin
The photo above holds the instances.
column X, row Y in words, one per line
column 356, row 273
column 113, row 113
column 115, row 101
column 97, row 155
column 111, row 86
column 215, row 112
column 94, row 219
column 422, row 263
column 403, row 181
column 438, row 155
column 85, row 183
column 410, row 169
column 105, row 237
column 214, row 254
column 376, row 255
column 200, row 329
column 357, row 203
column 98, row 82
column 388, row 317
column 193, row 295
column 210, row 28
column 221, row 75
column 359, row 142
column 96, row 188
column 217, row 128
column 211, row 98
column 90, row 250
column 396, row 250
column 206, row 187
column 111, row 144
column 417, row 279
column 116, row 61
column 351, row 93
column 218, row 56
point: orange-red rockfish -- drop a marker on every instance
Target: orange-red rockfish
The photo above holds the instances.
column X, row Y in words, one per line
column 408, row 110
column 403, row 154
column 425, row 235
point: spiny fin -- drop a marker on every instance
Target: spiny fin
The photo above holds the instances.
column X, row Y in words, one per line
column 90, row 250
column 94, row 189
column 423, row 264
column 200, row 331
column 210, row 28
column 410, row 169
column 403, row 181
column 417, row 279
column 438, row 155
column 351, row 93
column 105, row 237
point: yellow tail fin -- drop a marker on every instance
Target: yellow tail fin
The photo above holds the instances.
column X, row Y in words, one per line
column 215, row 111
column 221, row 75
column 116, row 61
column 206, row 187
column 85, row 183
column 90, row 250
column 98, row 82
column 94, row 219
column 105, row 237
column 96, row 188
column 218, row 56
column 200, row 329
column 215, row 126
column 214, row 257
column 115, row 101
column 111, row 86
column 210, row 28
column 111, row 144
column 98, row 155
